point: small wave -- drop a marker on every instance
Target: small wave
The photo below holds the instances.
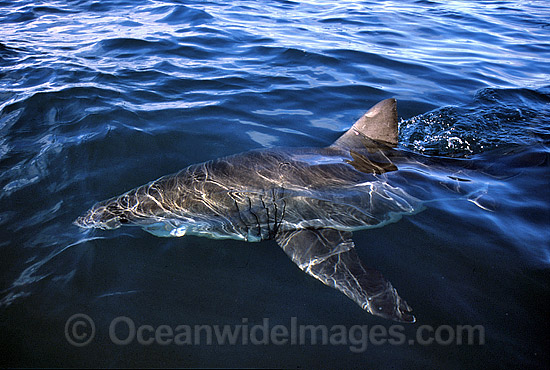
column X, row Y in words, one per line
column 498, row 118
column 115, row 294
column 181, row 14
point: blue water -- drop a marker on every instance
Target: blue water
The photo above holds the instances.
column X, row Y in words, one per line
column 97, row 97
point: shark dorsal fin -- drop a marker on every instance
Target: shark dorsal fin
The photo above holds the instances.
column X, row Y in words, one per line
column 378, row 124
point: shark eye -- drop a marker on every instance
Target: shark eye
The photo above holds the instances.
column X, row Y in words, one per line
column 285, row 166
column 199, row 176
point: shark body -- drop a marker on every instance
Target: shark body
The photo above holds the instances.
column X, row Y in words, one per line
column 310, row 200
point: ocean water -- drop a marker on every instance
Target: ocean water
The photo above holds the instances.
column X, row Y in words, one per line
column 97, row 97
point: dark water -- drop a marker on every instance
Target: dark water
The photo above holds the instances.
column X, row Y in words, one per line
column 99, row 97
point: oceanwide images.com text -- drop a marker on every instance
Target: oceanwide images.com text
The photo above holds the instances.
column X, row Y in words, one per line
column 80, row 331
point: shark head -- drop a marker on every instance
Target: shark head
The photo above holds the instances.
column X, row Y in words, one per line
column 104, row 215
column 148, row 207
column 140, row 206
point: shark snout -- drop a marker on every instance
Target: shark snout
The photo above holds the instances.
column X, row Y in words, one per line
column 105, row 216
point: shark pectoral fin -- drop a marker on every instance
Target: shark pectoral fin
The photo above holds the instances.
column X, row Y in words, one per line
column 329, row 255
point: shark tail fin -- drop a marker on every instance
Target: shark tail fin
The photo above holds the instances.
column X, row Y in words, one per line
column 378, row 124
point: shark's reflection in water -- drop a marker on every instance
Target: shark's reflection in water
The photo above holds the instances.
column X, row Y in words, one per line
column 309, row 200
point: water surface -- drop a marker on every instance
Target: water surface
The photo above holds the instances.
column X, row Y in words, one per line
column 99, row 97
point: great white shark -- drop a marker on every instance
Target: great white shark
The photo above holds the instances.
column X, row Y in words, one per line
column 310, row 200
